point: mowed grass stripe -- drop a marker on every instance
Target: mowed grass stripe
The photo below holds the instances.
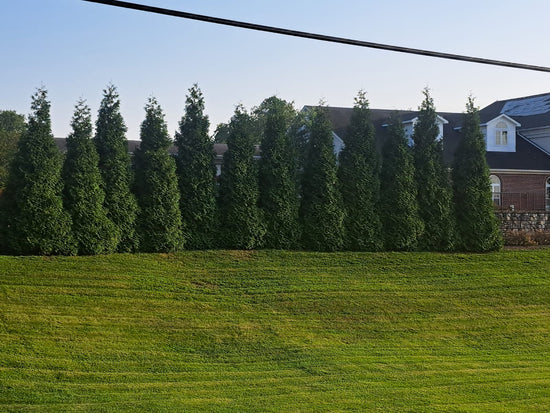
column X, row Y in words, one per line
column 276, row 331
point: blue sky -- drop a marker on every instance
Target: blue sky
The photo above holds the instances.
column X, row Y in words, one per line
column 75, row 48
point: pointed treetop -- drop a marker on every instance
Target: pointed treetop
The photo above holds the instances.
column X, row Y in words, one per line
column 154, row 132
column 82, row 118
column 361, row 100
column 40, row 107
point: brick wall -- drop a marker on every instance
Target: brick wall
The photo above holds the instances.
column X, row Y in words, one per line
column 525, row 192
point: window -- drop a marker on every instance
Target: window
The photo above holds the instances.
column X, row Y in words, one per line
column 501, row 133
column 548, row 194
column 495, row 189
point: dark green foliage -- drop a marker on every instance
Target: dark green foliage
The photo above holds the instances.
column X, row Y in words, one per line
column 33, row 220
column 115, row 168
column 12, row 126
column 196, row 174
column 221, row 133
column 358, row 176
column 241, row 225
column 159, row 220
column 476, row 224
column 83, row 192
column 277, row 175
column 432, row 180
column 401, row 222
column 321, row 210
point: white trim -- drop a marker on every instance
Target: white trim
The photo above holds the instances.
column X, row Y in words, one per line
column 520, row 171
column 533, row 143
column 502, row 116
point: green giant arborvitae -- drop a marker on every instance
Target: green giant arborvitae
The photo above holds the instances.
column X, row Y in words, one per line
column 432, row 181
column 477, row 227
column 359, row 181
column 83, row 193
column 241, row 225
column 196, row 174
column 115, row 168
column 33, row 220
column 401, row 223
column 321, row 210
column 277, row 174
column 156, row 186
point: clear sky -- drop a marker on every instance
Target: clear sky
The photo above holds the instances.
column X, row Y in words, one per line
column 75, row 48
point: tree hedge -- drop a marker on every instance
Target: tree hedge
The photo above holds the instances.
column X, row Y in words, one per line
column 83, row 194
column 476, row 224
column 241, row 223
column 432, row 180
column 115, row 168
column 196, row 174
column 401, row 223
column 359, row 179
column 32, row 219
column 277, row 175
column 156, row 187
column 321, row 210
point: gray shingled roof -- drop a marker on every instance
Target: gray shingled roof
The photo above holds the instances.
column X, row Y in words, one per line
column 526, row 157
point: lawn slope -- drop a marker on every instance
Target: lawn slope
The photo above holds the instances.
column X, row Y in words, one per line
column 276, row 332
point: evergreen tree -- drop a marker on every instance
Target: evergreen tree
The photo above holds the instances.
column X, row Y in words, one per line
column 115, row 168
column 33, row 220
column 476, row 224
column 196, row 174
column 359, row 181
column 321, row 210
column 12, row 126
column 401, row 222
column 83, row 195
column 432, row 180
column 159, row 219
column 240, row 218
column 277, row 175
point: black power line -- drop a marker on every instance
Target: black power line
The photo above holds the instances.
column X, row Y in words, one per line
column 307, row 35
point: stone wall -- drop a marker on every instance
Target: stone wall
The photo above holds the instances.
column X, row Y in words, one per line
column 524, row 221
column 525, row 228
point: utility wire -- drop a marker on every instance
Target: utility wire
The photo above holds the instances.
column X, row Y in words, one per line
column 307, row 35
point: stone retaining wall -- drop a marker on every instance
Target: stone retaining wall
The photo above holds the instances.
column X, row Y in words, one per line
column 511, row 222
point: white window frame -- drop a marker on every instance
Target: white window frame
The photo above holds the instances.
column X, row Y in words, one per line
column 501, row 134
column 496, row 189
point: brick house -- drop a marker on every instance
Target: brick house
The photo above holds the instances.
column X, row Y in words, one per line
column 517, row 132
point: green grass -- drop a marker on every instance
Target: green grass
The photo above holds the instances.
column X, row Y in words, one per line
column 277, row 332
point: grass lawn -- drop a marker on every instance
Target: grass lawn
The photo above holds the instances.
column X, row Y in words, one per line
column 276, row 332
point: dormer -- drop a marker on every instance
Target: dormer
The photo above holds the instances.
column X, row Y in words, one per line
column 408, row 125
column 500, row 134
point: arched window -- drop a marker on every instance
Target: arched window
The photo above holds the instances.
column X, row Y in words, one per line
column 496, row 189
column 548, row 194
column 501, row 133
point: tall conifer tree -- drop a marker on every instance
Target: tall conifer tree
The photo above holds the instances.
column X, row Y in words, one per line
column 277, row 175
column 196, row 173
column 321, row 210
column 432, row 181
column 401, row 223
column 33, row 220
column 83, row 192
column 115, row 168
column 476, row 224
column 159, row 219
column 241, row 225
column 359, row 181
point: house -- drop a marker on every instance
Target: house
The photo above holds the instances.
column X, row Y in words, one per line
column 517, row 135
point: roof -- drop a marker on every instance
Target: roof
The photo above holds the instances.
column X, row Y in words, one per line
column 526, row 157
column 133, row 145
column 529, row 111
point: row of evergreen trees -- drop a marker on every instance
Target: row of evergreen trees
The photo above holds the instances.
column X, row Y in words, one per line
column 97, row 199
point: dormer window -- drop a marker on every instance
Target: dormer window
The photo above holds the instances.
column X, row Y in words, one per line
column 501, row 134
